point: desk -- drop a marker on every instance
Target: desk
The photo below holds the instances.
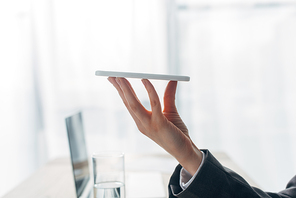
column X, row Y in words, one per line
column 55, row 179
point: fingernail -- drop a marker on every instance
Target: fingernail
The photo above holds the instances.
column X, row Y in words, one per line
column 144, row 81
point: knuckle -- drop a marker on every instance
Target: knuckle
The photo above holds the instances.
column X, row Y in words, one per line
column 154, row 103
column 156, row 126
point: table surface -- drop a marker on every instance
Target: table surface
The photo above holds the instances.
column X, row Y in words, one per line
column 55, row 179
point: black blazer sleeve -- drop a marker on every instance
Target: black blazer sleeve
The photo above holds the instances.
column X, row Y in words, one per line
column 216, row 181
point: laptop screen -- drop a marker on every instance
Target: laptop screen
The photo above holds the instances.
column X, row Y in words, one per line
column 78, row 152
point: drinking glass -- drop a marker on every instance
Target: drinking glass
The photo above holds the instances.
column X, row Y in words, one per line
column 109, row 175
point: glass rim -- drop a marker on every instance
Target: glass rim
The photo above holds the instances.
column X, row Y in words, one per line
column 105, row 154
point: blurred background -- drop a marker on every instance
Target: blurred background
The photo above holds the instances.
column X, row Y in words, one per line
column 240, row 55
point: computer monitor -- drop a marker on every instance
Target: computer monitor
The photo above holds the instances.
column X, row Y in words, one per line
column 78, row 152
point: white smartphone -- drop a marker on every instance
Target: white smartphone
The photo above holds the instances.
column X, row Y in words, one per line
column 142, row 75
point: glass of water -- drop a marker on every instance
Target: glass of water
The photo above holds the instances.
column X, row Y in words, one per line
column 109, row 175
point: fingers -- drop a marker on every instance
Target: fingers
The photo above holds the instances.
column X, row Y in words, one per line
column 129, row 98
column 121, row 94
column 154, row 99
column 169, row 97
column 133, row 104
column 141, row 115
column 132, row 90
column 116, row 85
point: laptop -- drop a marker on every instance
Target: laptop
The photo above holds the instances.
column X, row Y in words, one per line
column 79, row 156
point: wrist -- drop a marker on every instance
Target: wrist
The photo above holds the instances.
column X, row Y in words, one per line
column 192, row 161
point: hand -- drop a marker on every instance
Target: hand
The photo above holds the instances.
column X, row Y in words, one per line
column 165, row 128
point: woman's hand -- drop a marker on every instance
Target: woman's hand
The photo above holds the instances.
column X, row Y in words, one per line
column 166, row 128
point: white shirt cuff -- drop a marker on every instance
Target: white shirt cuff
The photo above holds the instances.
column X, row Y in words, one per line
column 186, row 178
